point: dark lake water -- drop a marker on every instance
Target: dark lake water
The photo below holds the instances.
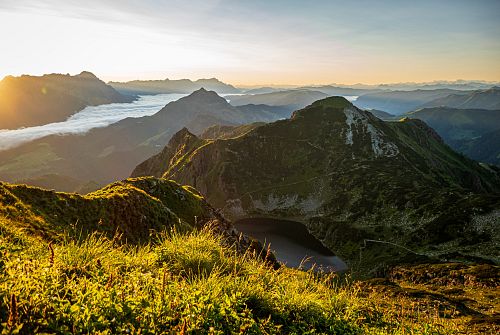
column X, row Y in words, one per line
column 292, row 243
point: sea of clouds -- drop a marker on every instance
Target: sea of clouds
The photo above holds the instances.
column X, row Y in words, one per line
column 89, row 118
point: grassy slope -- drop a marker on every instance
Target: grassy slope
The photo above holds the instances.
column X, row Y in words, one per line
column 130, row 208
column 192, row 284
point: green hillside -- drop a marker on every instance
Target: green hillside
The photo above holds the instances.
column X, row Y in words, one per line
column 130, row 209
column 349, row 177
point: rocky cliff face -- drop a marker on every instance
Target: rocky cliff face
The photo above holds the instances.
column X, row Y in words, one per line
column 349, row 177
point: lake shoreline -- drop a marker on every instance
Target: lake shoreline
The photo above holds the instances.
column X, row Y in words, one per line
column 292, row 243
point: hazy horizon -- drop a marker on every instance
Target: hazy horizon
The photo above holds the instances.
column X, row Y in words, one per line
column 254, row 43
column 273, row 85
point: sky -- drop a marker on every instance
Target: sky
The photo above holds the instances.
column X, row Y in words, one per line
column 254, row 42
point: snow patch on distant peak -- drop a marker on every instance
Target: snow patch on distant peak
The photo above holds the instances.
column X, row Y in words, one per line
column 380, row 147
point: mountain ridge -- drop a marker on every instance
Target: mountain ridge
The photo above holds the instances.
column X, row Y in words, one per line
column 187, row 86
column 342, row 172
column 481, row 99
column 400, row 102
column 296, row 98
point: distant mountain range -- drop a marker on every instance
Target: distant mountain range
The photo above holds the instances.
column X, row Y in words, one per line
column 140, row 87
column 106, row 154
column 31, row 101
column 349, row 177
column 466, row 85
column 384, row 115
column 482, row 99
column 294, row 99
column 103, row 155
column 341, row 91
column 441, row 84
column 400, row 102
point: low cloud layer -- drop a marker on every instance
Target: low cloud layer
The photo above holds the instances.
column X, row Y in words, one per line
column 89, row 118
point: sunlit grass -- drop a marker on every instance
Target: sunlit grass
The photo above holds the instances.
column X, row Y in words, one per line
column 184, row 283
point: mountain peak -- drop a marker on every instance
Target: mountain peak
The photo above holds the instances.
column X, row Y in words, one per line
column 335, row 102
column 87, row 75
column 181, row 134
column 205, row 96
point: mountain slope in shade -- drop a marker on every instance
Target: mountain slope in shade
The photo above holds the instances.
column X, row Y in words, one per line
column 32, row 101
column 260, row 111
column 184, row 143
column 348, row 177
column 173, row 86
column 107, row 154
column 181, row 144
column 383, row 115
column 456, row 124
column 227, row 132
column 485, row 148
column 481, row 99
column 469, row 131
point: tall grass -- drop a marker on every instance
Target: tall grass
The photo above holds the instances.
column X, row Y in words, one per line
column 179, row 284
